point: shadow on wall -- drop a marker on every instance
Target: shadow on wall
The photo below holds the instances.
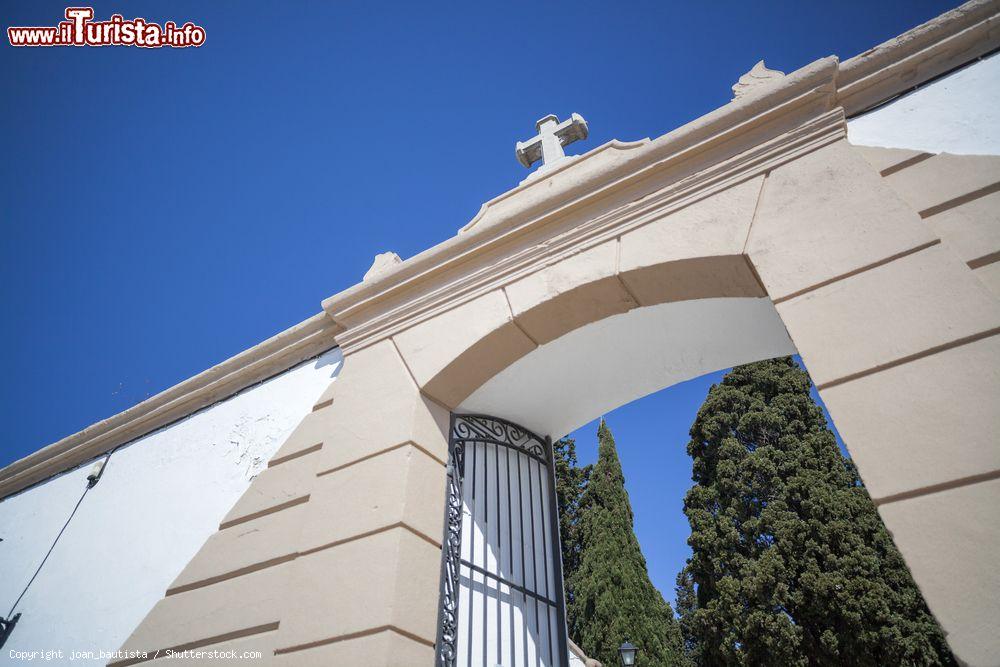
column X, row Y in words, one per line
column 333, row 358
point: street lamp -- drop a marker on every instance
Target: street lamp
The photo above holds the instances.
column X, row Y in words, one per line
column 627, row 653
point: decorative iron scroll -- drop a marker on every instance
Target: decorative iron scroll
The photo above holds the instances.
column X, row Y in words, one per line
column 478, row 428
column 513, row 590
column 451, row 554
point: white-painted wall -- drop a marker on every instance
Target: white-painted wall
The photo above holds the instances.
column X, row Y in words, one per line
column 160, row 498
column 959, row 114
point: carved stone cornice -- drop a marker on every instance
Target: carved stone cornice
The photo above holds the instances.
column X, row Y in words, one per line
column 548, row 217
column 759, row 75
column 603, row 193
column 896, row 66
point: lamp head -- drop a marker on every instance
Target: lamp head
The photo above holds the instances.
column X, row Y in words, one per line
column 627, row 653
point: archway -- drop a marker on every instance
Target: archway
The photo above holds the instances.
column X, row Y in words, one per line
column 820, row 257
column 751, row 232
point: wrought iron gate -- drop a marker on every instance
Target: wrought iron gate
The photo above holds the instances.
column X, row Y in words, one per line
column 502, row 597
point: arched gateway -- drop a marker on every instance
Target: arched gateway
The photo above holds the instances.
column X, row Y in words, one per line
column 755, row 231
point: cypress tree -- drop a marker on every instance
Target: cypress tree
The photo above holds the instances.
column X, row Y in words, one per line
column 613, row 598
column 571, row 480
column 791, row 562
column 686, row 600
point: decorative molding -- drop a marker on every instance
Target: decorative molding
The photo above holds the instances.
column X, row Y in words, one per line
column 601, row 195
column 383, row 262
column 779, row 112
column 758, row 78
column 802, row 96
column 587, row 234
column 937, row 47
column 273, row 356
column 607, row 152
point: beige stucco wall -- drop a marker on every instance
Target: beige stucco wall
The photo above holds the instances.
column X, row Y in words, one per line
column 333, row 554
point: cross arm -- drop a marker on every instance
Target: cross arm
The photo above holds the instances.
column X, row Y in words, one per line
column 572, row 129
column 529, row 152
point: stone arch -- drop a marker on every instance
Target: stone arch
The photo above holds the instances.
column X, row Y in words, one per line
column 866, row 291
column 859, row 282
column 689, row 255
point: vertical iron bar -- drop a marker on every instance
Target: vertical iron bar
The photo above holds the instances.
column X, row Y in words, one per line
column 524, row 576
column 510, row 559
column 496, row 474
column 562, row 632
column 472, row 555
column 534, row 561
column 486, row 542
column 545, row 558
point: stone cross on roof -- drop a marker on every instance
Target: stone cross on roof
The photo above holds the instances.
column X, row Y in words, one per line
column 552, row 136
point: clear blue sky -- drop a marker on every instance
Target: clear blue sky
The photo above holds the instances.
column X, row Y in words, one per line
column 165, row 209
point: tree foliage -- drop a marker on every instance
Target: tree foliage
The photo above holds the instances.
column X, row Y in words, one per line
column 791, row 563
column 686, row 601
column 571, row 479
column 612, row 596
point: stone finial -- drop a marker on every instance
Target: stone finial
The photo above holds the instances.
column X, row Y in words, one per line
column 548, row 144
column 383, row 262
column 753, row 80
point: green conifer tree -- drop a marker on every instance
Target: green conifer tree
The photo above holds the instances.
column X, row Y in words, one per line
column 791, row 562
column 613, row 598
column 571, row 479
column 686, row 601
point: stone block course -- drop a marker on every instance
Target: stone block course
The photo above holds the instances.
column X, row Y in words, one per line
column 877, row 317
column 851, row 219
column 950, row 541
column 926, row 422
